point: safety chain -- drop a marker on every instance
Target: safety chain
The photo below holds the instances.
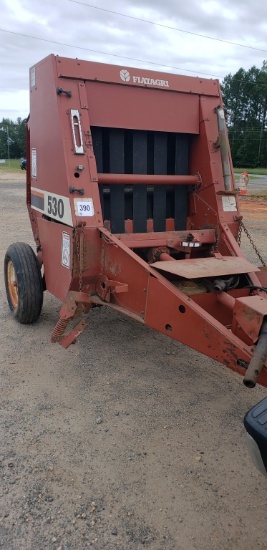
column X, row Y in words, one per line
column 80, row 250
column 242, row 227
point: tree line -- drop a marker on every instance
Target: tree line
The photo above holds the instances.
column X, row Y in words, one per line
column 245, row 98
column 12, row 138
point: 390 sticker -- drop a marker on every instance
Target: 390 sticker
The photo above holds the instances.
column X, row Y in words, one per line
column 84, row 207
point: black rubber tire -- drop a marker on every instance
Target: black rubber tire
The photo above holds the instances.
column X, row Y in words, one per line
column 27, row 305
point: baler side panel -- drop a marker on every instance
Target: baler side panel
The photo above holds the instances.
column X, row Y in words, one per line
column 59, row 167
column 46, row 120
column 54, row 254
column 209, row 205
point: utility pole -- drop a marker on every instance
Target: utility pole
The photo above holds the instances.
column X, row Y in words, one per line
column 8, row 146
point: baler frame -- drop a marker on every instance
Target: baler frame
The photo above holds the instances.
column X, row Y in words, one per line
column 133, row 205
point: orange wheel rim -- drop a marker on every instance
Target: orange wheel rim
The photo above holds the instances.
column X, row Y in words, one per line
column 12, row 284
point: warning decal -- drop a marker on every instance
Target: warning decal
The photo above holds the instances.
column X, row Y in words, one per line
column 65, row 251
column 229, row 203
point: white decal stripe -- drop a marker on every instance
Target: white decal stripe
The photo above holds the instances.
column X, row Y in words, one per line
column 56, row 206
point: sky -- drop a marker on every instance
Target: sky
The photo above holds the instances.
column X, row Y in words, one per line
column 159, row 35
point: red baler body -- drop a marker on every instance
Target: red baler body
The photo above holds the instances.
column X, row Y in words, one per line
column 132, row 201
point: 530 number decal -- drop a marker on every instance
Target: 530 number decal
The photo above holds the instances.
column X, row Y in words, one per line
column 55, row 207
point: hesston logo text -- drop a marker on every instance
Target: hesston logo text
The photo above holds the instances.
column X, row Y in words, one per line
column 126, row 77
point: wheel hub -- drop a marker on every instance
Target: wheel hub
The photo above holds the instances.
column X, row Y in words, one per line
column 12, row 283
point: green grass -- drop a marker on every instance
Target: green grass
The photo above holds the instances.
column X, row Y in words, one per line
column 12, row 165
column 259, row 171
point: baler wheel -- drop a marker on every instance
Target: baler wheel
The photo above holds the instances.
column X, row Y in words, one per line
column 23, row 281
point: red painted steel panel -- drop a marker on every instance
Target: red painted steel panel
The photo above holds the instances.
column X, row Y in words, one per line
column 46, row 132
column 262, row 276
column 181, row 319
column 249, row 313
column 122, row 265
column 57, row 277
column 207, row 267
column 88, row 70
column 209, row 302
column 129, row 179
column 142, row 108
column 167, row 238
column 51, row 137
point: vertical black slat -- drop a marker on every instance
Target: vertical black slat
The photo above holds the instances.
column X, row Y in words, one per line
column 171, row 139
column 150, row 170
column 98, row 151
column 160, row 167
column 170, row 203
column 139, row 191
column 98, row 147
column 106, row 201
column 128, row 169
column 150, row 152
column 181, row 191
column 116, row 164
column 105, row 150
column 128, row 151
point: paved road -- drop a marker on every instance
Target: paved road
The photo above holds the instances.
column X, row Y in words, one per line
column 257, row 184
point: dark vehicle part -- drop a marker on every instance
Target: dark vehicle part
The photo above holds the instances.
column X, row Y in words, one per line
column 255, row 423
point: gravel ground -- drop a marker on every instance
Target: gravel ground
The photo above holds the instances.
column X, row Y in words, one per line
column 127, row 440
